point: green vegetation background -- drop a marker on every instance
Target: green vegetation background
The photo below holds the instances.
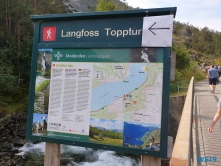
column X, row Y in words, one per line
column 193, row 47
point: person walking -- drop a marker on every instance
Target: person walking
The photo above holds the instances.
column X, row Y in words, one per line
column 217, row 81
column 216, row 117
column 219, row 72
column 151, row 138
column 212, row 76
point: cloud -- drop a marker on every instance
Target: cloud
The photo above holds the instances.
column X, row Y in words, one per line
column 107, row 124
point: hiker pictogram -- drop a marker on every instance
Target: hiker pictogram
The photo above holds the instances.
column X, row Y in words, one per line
column 49, row 33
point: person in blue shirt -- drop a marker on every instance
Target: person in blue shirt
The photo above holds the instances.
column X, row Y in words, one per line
column 212, row 78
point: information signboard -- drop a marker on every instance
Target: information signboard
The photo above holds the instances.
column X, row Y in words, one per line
column 95, row 84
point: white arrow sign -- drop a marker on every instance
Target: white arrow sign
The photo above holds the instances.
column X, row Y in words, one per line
column 157, row 31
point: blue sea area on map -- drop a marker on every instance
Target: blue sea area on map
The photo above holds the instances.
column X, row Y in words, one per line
column 109, row 92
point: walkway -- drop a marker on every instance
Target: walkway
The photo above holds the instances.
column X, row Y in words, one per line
column 206, row 144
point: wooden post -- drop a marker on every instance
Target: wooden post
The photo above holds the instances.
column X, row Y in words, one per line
column 52, row 154
column 150, row 161
column 169, row 147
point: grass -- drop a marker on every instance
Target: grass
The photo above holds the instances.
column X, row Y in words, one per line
column 180, row 86
column 16, row 102
column 107, row 141
column 42, row 85
column 10, row 106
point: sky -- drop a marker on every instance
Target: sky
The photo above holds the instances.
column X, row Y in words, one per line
column 107, row 124
column 199, row 13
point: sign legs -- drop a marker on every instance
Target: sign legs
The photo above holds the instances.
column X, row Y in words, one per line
column 150, row 161
column 52, row 154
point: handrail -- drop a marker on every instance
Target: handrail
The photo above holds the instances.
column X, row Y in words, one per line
column 182, row 153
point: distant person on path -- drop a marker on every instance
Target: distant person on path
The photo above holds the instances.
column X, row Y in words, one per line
column 212, row 78
column 216, row 67
column 219, row 71
column 216, row 117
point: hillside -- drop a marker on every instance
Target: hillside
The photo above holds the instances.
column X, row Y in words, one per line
column 83, row 5
column 203, row 45
column 89, row 5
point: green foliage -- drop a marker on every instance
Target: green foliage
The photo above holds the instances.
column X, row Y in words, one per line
column 47, row 73
column 106, row 5
column 107, row 140
column 16, row 38
column 111, row 5
column 193, row 46
column 42, row 85
column 204, row 41
column 183, row 77
column 106, row 133
column 154, row 133
column 7, row 79
column 182, row 58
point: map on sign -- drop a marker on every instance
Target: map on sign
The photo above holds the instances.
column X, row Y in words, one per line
column 103, row 96
column 126, row 104
column 127, row 92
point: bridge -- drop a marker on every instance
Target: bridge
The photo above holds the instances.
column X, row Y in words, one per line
column 194, row 146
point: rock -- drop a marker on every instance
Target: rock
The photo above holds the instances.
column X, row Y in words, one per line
column 46, row 99
column 17, row 141
column 2, row 154
column 2, row 164
column 22, row 117
column 7, row 131
column 6, row 158
column 12, row 134
column 2, row 114
column 11, row 163
column 3, row 139
column 7, row 145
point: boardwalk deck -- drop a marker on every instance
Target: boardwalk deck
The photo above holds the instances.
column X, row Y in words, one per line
column 206, row 144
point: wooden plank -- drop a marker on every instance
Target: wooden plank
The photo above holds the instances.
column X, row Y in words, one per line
column 150, row 161
column 52, row 154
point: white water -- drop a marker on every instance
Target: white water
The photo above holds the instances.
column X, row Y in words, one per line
column 97, row 158
column 40, row 78
column 43, row 62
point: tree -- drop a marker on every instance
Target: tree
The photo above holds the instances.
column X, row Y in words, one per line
column 106, row 5
column 16, row 38
column 182, row 58
column 7, row 79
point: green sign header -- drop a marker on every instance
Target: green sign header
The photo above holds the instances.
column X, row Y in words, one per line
column 99, row 30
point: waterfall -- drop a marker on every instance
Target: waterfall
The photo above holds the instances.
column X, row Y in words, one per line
column 78, row 156
column 40, row 77
column 43, row 63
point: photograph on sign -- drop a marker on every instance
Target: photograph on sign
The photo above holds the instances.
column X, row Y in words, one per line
column 103, row 96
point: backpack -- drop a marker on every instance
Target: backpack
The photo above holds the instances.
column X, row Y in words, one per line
column 152, row 139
